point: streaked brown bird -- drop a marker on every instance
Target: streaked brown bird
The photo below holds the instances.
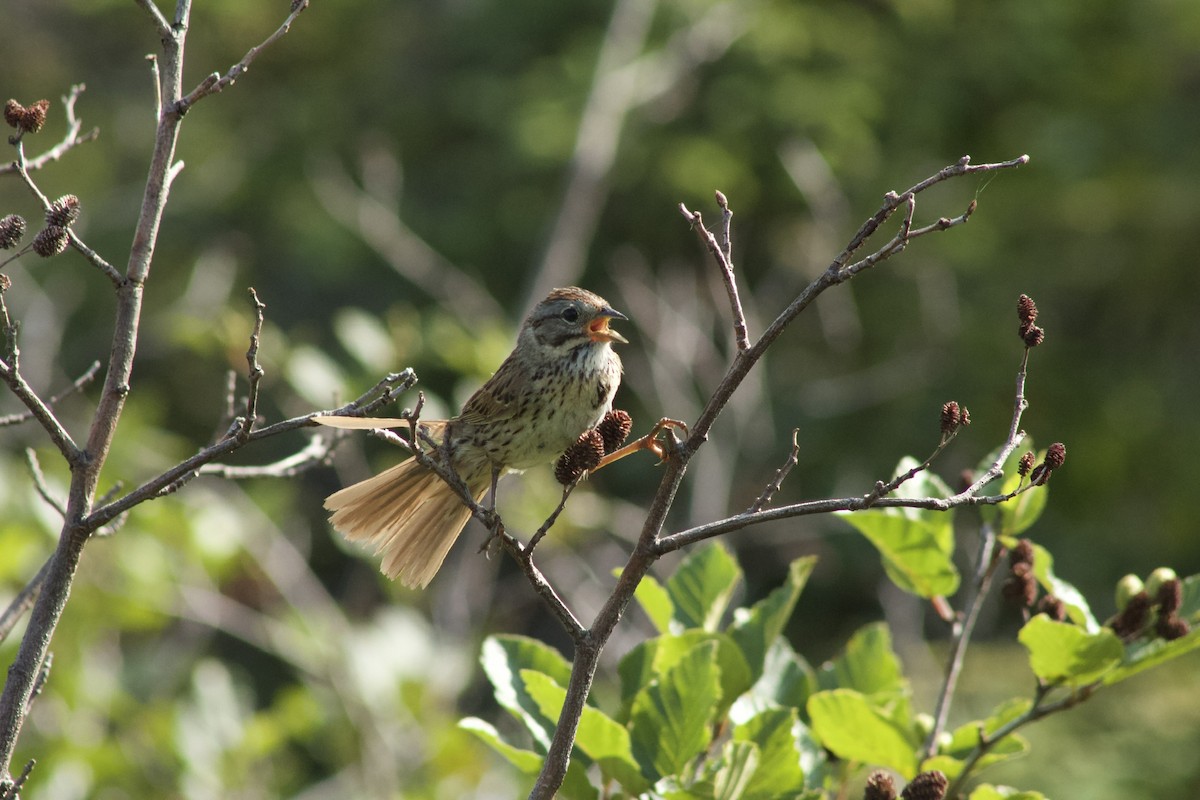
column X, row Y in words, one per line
column 557, row 383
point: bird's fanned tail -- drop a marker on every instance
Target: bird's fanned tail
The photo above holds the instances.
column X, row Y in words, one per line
column 408, row 515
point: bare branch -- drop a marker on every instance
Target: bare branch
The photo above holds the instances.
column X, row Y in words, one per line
column 76, row 386
column 317, row 452
column 160, row 22
column 22, row 602
column 39, row 482
column 254, row 369
column 214, row 83
column 10, row 373
column 722, row 252
column 780, row 475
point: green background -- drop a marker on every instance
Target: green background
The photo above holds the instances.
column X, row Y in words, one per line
column 388, row 176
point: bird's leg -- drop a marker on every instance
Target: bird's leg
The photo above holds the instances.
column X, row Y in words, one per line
column 648, row 442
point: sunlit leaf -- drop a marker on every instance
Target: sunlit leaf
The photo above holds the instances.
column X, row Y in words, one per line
column 848, row 724
column 756, row 629
column 671, row 719
column 1061, row 652
column 701, row 587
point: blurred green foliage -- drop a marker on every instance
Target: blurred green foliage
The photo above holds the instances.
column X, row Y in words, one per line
column 224, row 643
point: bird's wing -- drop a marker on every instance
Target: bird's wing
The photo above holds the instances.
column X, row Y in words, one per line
column 486, row 406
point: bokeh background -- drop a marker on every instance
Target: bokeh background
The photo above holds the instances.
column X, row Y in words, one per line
column 401, row 181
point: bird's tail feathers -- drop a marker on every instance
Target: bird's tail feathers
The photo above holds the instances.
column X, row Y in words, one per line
column 408, row 515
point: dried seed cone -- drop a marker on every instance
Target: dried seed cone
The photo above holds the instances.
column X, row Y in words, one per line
column 1022, row 553
column 13, row 112
column 926, row 786
column 950, row 415
column 1033, row 335
column 1026, row 309
column 880, row 786
column 63, row 211
column 1025, row 464
column 614, row 429
column 12, row 228
column 1052, row 607
column 579, row 457
column 1056, row 455
column 50, row 241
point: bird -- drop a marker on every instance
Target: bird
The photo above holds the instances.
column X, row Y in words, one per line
column 557, row 384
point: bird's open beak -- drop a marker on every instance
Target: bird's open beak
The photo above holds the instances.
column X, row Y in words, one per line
column 599, row 331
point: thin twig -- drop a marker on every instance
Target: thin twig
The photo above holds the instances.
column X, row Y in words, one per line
column 780, row 474
column 550, row 520
column 39, row 482
column 12, row 791
column 160, row 22
column 317, row 452
column 254, row 369
column 1036, row 712
column 38, row 409
column 77, row 385
column 22, row 602
column 91, row 255
column 721, row 253
column 214, row 83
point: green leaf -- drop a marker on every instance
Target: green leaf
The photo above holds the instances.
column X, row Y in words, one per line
column 527, row 761
column 599, row 737
column 654, row 657
column 848, row 724
column 738, row 766
column 1077, row 606
column 1142, row 656
column 787, row 681
column 503, row 658
column 916, row 545
column 701, row 587
column 671, row 718
column 868, row 665
column 756, row 629
column 1059, row 651
column 988, row 792
column 656, row 602
column 776, row 734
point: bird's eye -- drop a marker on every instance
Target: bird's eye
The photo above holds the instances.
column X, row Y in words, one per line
column 570, row 314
